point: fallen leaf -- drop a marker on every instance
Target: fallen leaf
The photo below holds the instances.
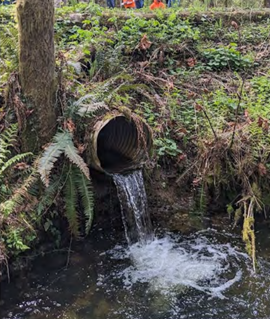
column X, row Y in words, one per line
column 191, row 94
column 170, row 85
column 191, row 62
column 181, row 157
column 265, row 126
column 196, row 182
column 21, row 166
column 260, row 121
column 69, row 125
column 28, row 112
column 198, row 107
column 262, row 169
column 144, row 43
column 235, row 25
column 143, row 64
column 182, row 130
column 81, row 148
column 2, row 115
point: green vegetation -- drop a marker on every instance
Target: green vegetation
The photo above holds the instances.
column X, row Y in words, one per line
column 202, row 87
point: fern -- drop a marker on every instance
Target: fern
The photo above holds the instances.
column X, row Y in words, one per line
column 51, row 155
column 92, row 97
column 12, row 161
column 71, row 197
column 49, row 195
column 92, row 109
column 20, row 196
column 62, row 144
column 7, row 140
column 72, row 154
column 77, row 181
column 85, row 190
column 89, row 105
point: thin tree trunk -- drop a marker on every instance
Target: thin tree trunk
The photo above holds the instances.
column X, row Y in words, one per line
column 266, row 3
column 37, row 67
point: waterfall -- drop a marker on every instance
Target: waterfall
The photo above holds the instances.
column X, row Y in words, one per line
column 133, row 201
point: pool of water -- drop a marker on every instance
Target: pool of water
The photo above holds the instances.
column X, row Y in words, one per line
column 205, row 275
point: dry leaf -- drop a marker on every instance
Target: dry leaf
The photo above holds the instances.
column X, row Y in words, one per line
column 181, row 158
column 235, row 25
column 265, row 126
column 69, row 125
column 144, row 43
column 191, row 62
column 21, row 166
column 170, row 85
column 143, row 64
column 198, row 107
column 196, row 182
column 182, row 130
column 260, row 121
column 2, row 115
column 191, row 94
column 262, row 169
column 81, row 148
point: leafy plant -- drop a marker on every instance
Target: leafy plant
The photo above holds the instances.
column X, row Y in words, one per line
column 15, row 230
column 77, row 182
column 226, row 57
column 7, row 160
column 8, row 50
column 166, row 146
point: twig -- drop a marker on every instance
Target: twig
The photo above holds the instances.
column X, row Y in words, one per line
column 69, row 251
column 7, row 268
column 239, row 95
column 185, row 172
column 211, row 126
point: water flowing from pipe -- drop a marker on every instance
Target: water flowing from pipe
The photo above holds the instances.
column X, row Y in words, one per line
column 133, row 201
column 166, row 264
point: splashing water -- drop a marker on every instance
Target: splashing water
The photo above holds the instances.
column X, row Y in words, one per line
column 170, row 265
column 171, row 277
column 195, row 277
column 165, row 263
column 133, row 201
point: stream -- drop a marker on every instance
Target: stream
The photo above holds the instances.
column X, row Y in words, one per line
column 142, row 274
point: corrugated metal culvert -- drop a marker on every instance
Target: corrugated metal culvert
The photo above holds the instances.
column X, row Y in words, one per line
column 120, row 143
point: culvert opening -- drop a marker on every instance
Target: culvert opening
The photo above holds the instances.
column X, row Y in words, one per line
column 120, row 145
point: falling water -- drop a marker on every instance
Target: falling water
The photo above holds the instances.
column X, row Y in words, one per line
column 133, row 201
column 169, row 276
column 165, row 263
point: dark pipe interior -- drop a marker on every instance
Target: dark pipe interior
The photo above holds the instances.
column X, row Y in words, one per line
column 116, row 145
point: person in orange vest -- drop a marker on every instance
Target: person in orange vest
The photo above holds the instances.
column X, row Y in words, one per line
column 129, row 4
column 157, row 4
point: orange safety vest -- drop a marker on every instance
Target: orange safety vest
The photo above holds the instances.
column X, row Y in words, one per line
column 129, row 3
column 157, row 5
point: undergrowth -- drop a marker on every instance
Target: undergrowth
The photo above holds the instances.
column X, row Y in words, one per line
column 202, row 87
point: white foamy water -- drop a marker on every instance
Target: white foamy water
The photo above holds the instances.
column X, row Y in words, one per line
column 169, row 265
column 133, row 202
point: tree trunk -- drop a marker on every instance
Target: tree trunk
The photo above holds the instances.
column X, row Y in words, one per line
column 37, row 68
column 266, row 3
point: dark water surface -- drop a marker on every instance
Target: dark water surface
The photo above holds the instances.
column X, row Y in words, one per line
column 140, row 275
column 199, row 276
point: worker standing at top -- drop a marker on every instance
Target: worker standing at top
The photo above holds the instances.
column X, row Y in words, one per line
column 157, row 4
column 110, row 4
column 129, row 4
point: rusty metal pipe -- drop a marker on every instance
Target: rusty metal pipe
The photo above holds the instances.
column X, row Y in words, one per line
column 120, row 143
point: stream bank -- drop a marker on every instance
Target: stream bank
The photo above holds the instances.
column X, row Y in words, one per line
column 202, row 87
